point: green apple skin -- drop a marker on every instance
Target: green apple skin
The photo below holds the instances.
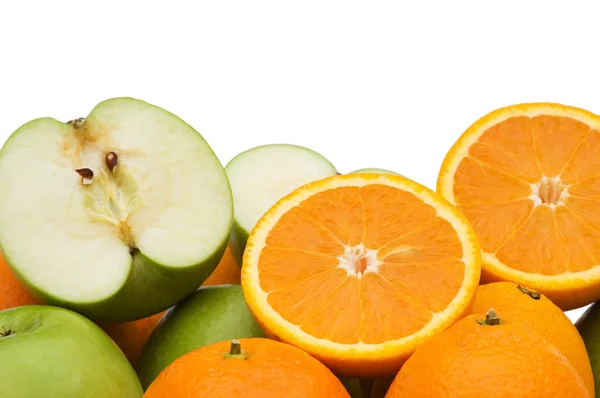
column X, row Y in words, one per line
column 374, row 171
column 151, row 287
column 209, row 315
column 237, row 242
column 381, row 386
column 354, row 387
column 588, row 326
column 48, row 351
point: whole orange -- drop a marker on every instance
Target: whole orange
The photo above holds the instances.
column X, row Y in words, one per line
column 252, row 367
column 486, row 356
column 12, row 292
column 131, row 336
column 226, row 272
column 533, row 310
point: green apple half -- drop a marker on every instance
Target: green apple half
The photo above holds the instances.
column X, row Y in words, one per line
column 209, row 315
column 54, row 352
column 262, row 175
column 117, row 216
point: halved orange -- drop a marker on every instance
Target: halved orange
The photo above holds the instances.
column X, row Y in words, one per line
column 359, row 270
column 528, row 179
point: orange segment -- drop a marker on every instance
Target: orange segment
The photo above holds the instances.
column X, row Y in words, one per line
column 301, row 232
column 301, row 304
column 417, row 280
column 378, row 202
column 433, row 242
column 528, row 179
column 556, row 140
column 342, row 212
column 588, row 188
column 342, row 320
column 413, row 268
column 395, row 314
column 585, row 161
column 276, row 263
column 495, row 222
column 360, row 269
column 580, row 254
column 585, row 209
column 509, row 146
column 478, row 183
column 543, row 257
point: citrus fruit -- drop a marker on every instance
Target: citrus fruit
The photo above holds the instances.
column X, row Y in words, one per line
column 528, row 179
column 534, row 311
column 260, row 176
column 254, row 367
column 12, row 292
column 360, row 269
column 209, row 315
column 227, row 271
column 588, row 326
column 131, row 336
column 486, row 356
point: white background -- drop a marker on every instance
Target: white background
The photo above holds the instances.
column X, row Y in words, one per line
column 367, row 84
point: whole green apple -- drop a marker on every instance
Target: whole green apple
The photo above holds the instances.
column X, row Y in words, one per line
column 354, row 387
column 118, row 215
column 374, row 171
column 209, row 315
column 49, row 351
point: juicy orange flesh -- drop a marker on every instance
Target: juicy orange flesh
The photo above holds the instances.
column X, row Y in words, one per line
column 418, row 270
column 553, row 230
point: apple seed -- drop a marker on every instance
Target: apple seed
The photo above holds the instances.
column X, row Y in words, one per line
column 86, row 175
column 111, row 161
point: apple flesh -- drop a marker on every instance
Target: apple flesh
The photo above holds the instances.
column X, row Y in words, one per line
column 53, row 352
column 117, row 216
column 209, row 315
column 262, row 175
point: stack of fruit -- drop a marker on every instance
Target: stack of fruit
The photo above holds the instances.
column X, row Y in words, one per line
column 137, row 265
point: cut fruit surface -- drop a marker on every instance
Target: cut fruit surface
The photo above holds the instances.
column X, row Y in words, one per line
column 118, row 215
column 261, row 176
column 527, row 178
column 359, row 270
